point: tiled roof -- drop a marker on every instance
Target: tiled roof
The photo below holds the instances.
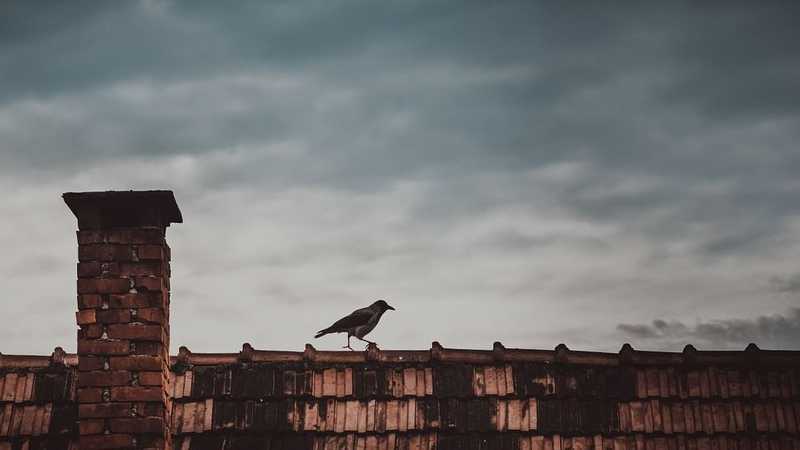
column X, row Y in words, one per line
column 503, row 398
column 37, row 401
column 440, row 398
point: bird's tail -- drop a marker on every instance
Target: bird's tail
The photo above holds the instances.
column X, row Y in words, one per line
column 321, row 333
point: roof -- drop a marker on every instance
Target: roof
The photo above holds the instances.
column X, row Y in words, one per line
column 37, row 401
column 441, row 398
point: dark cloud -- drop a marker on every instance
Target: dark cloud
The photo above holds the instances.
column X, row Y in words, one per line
column 734, row 65
column 777, row 331
column 516, row 159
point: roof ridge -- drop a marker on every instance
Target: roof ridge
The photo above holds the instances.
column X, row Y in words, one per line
column 627, row 355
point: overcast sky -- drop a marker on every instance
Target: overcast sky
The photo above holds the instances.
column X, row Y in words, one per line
column 528, row 172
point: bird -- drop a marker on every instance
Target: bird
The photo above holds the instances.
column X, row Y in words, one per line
column 359, row 323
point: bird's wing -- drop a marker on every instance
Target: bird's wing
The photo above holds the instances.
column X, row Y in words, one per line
column 356, row 318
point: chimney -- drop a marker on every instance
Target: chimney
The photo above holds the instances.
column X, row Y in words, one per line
column 123, row 315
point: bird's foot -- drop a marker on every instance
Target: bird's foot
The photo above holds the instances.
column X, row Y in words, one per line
column 348, row 346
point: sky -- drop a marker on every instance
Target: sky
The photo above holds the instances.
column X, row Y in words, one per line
column 527, row 172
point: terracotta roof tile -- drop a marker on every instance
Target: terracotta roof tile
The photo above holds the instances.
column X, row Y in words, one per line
column 504, row 398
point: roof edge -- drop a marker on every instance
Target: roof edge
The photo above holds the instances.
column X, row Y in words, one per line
column 499, row 354
column 438, row 354
column 59, row 358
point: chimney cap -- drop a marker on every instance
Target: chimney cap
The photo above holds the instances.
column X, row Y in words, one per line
column 119, row 209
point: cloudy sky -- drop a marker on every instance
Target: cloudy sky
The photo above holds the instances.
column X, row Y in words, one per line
column 533, row 173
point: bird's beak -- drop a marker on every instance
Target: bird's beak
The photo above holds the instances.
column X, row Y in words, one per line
column 389, row 307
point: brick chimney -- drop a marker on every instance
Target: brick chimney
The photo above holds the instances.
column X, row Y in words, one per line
column 123, row 315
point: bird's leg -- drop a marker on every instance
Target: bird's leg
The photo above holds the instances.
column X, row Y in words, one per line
column 368, row 342
column 348, row 343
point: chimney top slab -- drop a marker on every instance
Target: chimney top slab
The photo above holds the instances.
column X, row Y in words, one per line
column 123, row 209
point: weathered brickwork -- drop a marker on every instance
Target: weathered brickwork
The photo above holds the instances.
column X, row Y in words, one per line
column 123, row 315
column 122, row 390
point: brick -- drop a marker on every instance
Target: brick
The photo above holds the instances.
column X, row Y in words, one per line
column 138, row 300
column 104, row 269
column 102, row 410
column 87, row 252
column 86, row 316
column 148, row 348
column 151, row 378
column 105, row 252
column 86, row 363
column 150, row 252
column 90, row 395
column 136, row 332
column 89, row 269
column 141, row 269
column 110, row 269
column 90, row 331
column 149, row 284
column 100, row 347
column 136, row 236
column 152, row 315
column 114, row 316
column 91, row 237
column 137, row 425
column 102, row 441
column 152, row 409
column 104, row 378
column 91, row 426
column 103, row 285
column 88, row 301
column 136, row 394
column 136, row 362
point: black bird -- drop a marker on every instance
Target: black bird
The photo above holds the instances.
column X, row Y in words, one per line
column 359, row 323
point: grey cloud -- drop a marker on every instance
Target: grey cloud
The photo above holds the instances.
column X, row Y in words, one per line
column 536, row 117
column 786, row 284
column 516, row 159
column 777, row 331
column 732, row 77
column 637, row 331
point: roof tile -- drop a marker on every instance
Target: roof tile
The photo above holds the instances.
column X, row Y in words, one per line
column 9, row 387
column 576, row 406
